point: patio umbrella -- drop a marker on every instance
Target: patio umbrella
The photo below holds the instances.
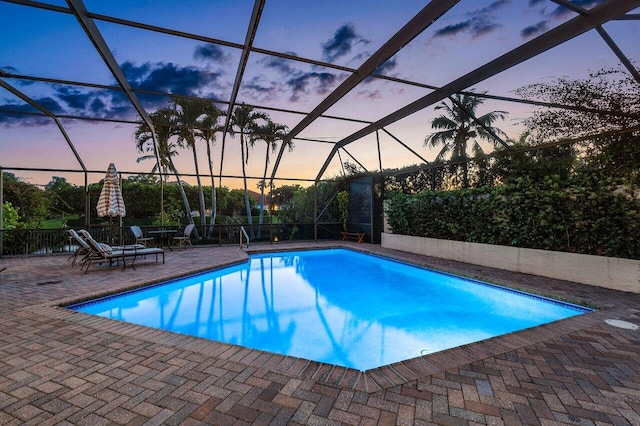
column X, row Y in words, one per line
column 110, row 202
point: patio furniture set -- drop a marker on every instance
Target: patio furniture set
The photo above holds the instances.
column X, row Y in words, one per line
column 90, row 251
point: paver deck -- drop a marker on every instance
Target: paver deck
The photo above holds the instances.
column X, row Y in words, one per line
column 64, row 367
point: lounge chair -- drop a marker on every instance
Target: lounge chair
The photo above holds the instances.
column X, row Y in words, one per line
column 86, row 250
column 140, row 238
column 180, row 241
column 106, row 253
column 83, row 250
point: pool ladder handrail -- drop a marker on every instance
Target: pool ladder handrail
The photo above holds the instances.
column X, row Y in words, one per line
column 243, row 232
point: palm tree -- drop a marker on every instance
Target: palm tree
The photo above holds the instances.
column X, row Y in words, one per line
column 166, row 149
column 187, row 113
column 270, row 133
column 208, row 126
column 244, row 120
column 456, row 127
column 162, row 120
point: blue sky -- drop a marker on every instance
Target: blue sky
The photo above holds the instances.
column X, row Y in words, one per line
column 48, row 44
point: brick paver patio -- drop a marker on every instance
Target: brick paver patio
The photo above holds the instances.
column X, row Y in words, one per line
column 63, row 367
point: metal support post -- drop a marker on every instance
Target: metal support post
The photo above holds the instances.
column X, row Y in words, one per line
column 315, row 212
column 1, row 205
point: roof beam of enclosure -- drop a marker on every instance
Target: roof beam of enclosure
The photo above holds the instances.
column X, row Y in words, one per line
column 212, row 40
column 422, row 20
column 629, row 17
column 68, row 116
column 497, row 154
column 168, row 31
column 258, row 6
column 82, row 15
column 598, row 15
column 619, row 53
column 48, row 113
column 605, row 36
column 354, row 159
column 191, row 36
column 290, row 111
column 39, row 5
column 313, row 140
column 406, row 146
column 552, row 105
column 130, row 121
column 162, row 94
column 571, row 6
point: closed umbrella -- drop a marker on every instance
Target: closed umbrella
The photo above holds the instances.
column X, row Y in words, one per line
column 110, row 202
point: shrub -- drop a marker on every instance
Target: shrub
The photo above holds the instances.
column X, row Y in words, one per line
column 600, row 219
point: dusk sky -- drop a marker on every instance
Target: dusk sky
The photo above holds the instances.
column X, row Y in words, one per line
column 48, row 44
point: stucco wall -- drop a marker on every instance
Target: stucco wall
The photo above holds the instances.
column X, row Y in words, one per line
column 609, row 272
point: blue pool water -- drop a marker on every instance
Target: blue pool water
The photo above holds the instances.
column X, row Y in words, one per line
column 335, row 306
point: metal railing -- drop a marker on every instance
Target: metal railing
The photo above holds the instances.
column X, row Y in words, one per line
column 244, row 233
column 17, row 242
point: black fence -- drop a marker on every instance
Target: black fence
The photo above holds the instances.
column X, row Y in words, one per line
column 17, row 242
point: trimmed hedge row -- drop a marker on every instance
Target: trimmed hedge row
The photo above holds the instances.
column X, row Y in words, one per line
column 602, row 219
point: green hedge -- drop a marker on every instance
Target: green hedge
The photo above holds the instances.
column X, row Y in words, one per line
column 602, row 218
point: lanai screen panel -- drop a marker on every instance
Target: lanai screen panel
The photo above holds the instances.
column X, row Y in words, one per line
column 278, row 82
column 301, row 53
column 44, row 43
column 336, row 32
column 566, row 60
column 224, row 20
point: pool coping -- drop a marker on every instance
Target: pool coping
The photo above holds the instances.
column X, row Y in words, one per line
column 381, row 378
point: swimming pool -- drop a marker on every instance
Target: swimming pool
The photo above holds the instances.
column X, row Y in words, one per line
column 335, row 306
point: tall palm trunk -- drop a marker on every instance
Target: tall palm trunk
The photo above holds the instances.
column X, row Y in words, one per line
column 203, row 217
column 214, row 199
column 185, row 200
column 465, row 174
column 461, row 153
column 186, row 114
column 264, row 183
column 244, row 119
column 246, row 190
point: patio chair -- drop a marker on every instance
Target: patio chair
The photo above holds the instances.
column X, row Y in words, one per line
column 105, row 253
column 180, row 241
column 140, row 238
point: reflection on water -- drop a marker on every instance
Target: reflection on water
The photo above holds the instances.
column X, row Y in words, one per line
column 333, row 306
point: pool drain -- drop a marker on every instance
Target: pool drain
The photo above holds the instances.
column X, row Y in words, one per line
column 622, row 324
column 49, row 282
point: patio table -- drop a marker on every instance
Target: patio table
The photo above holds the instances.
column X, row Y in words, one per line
column 163, row 237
